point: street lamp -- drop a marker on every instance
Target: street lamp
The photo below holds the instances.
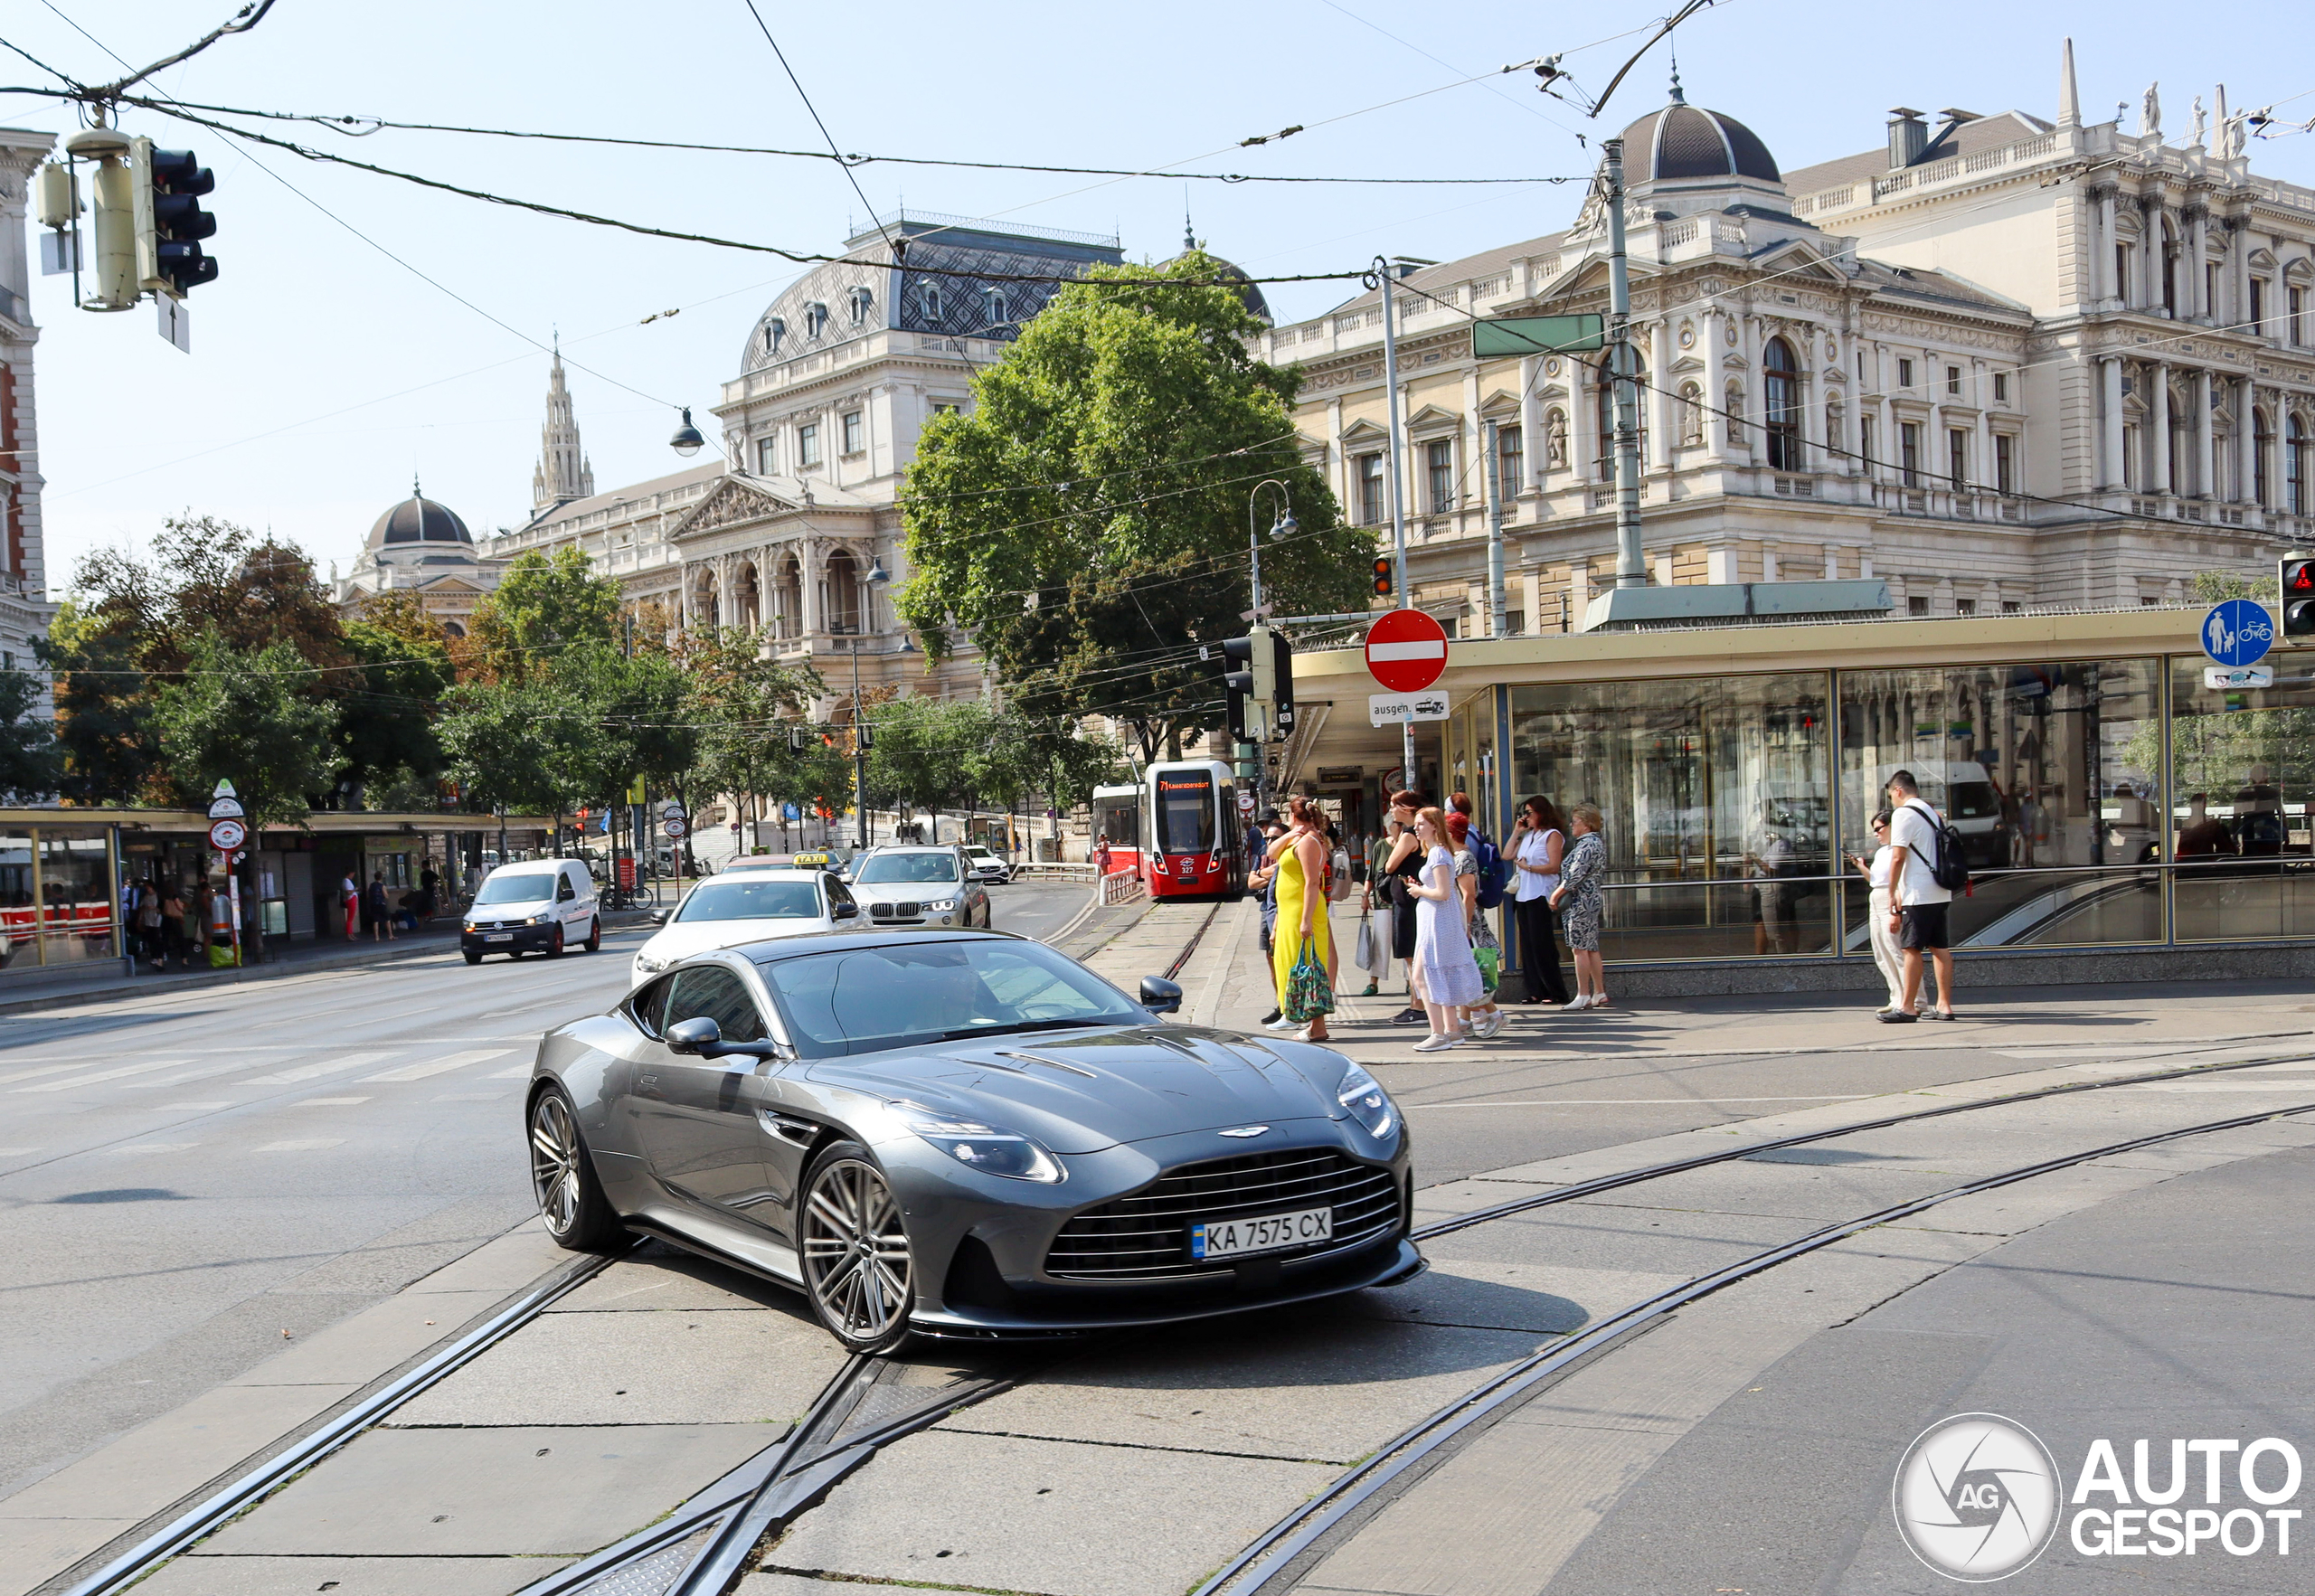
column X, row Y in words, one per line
column 877, row 577
column 1284, row 526
column 687, row 440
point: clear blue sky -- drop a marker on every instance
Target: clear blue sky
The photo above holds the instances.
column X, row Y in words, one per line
column 361, row 372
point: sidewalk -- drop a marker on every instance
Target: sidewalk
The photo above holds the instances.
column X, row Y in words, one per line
column 103, row 978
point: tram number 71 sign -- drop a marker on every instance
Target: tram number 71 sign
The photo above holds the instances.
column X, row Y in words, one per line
column 1406, row 651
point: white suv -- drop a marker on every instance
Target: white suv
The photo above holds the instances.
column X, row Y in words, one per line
column 913, row 886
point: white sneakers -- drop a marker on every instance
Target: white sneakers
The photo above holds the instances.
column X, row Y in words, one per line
column 1585, row 1001
column 1438, row 1043
column 1484, row 1026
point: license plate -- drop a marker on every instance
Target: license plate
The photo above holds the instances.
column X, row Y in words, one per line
column 499, row 937
column 1229, row 1238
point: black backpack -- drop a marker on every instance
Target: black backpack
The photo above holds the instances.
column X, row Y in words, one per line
column 1949, row 870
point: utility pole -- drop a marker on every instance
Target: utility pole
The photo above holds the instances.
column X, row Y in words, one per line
column 1389, row 271
column 1631, row 571
column 1496, row 628
column 859, row 751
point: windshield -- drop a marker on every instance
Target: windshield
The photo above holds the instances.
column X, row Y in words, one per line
column 913, row 995
column 778, row 898
column 527, row 888
column 885, row 869
column 1186, row 813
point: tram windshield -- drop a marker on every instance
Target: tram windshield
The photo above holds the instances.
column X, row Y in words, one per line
column 1186, row 812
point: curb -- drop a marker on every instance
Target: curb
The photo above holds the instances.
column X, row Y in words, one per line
column 206, row 980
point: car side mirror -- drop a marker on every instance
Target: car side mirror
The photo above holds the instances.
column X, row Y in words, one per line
column 1160, row 996
column 846, row 911
column 658, row 917
column 694, row 1035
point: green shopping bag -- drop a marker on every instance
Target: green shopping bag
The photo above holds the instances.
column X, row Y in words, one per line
column 1490, row 963
column 1309, row 993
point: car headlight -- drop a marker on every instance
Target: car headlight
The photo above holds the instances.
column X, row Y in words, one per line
column 1368, row 1103
column 649, row 966
column 942, row 906
column 988, row 1149
column 540, row 920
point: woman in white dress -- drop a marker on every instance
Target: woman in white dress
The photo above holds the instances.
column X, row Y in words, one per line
column 1876, row 872
column 1445, row 974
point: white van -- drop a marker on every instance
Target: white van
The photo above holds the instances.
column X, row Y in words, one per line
column 540, row 905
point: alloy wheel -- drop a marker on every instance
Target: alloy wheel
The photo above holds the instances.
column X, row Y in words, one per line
column 555, row 1162
column 855, row 1252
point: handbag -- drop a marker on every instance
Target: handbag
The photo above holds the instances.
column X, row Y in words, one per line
column 1490, row 963
column 1309, row 991
column 1365, row 958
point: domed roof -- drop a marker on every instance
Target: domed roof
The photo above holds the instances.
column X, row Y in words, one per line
column 1683, row 141
column 418, row 520
column 1250, row 293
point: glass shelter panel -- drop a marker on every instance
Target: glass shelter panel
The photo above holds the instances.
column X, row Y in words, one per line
column 77, row 895
column 2048, row 773
column 2242, row 784
column 1717, row 801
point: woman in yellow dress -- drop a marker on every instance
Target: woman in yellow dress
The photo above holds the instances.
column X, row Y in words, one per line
column 1301, row 898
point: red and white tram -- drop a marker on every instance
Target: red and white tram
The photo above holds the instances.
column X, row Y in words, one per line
column 1179, row 829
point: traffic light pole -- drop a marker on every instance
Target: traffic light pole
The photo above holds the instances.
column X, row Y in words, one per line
column 859, row 753
column 1632, row 570
column 1388, row 273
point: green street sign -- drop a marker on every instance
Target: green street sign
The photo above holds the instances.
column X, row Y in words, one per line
column 1536, row 334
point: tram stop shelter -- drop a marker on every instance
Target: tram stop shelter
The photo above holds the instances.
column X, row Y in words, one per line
column 2122, row 820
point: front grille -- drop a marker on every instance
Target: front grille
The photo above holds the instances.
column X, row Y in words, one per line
column 894, row 910
column 1146, row 1236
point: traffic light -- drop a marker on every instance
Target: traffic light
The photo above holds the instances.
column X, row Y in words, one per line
column 1382, row 577
column 109, row 266
column 1281, row 683
column 170, row 222
column 864, row 734
column 1238, row 688
column 2296, row 576
column 798, row 739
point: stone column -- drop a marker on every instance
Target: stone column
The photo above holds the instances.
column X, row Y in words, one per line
column 2110, row 389
column 1981, row 440
column 1812, row 413
column 2205, row 453
column 2195, row 299
column 1715, row 386
column 2158, row 422
column 1659, row 405
column 808, row 585
column 2107, row 290
column 2150, row 253
column 1583, row 423
column 1531, row 431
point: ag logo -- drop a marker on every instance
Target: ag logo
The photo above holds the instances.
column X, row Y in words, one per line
column 1977, row 1497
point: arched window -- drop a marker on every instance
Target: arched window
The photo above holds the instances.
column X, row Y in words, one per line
column 2262, row 440
column 1000, row 312
column 816, row 319
column 775, row 333
column 840, row 602
column 931, row 302
column 451, row 628
column 1607, row 415
column 1691, row 416
column 2294, row 466
column 862, row 301
column 1781, row 419
column 1555, row 441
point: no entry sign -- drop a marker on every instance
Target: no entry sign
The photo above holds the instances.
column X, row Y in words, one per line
column 1407, row 650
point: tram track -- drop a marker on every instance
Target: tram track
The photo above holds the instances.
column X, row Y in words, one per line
column 705, row 1546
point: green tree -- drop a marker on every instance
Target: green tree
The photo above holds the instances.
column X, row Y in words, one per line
column 104, row 709
column 534, row 747
column 1086, row 524
column 746, row 706
column 388, row 701
column 543, row 606
column 250, row 717
column 30, row 762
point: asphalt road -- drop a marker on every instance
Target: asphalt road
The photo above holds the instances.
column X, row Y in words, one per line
column 192, row 1177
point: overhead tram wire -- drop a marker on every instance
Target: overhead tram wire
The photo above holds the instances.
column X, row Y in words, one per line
column 849, row 175
column 163, row 106
column 362, row 126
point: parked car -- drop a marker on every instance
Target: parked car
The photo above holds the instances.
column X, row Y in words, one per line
column 986, row 866
column 967, row 1134
column 538, row 906
column 750, row 905
column 912, row 886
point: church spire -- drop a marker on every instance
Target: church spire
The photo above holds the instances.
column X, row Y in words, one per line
column 564, row 472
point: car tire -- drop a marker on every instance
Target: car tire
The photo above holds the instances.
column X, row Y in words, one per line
column 595, row 935
column 515, row 952
column 474, row 959
column 563, row 1177
column 862, row 1288
column 554, row 944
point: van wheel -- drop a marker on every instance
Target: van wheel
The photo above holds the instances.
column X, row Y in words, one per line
column 554, row 944
column 595, row 935
column 474, row 959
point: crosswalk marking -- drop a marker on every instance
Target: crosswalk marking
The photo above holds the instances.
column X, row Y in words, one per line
column 203, row 1073
column 303, row 1146
column 190, row 1108
column 352, row 1061
column 327, row 1102
column 519, row 1072
column 43, row 1070
column 116, row 1073
column 441, row 1066
column 151, row 1146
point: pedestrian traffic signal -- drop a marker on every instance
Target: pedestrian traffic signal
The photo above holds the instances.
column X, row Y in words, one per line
column 2296, row 577
column 1238, row 688
column 1281, row 683
column 170, row 222
column 864, row 734
column 798, row 739
column 1382, row 577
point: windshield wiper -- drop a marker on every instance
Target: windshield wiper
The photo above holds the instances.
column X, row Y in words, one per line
column 1000, row 1028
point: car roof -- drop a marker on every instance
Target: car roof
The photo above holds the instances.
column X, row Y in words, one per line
column 919, row 847
column 797, row 871
column 772, row 952
column 533, row 866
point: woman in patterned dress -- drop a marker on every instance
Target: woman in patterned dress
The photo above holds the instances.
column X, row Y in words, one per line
column 1578, row 901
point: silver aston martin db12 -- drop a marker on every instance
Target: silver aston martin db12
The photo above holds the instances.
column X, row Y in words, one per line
column 961, row 1133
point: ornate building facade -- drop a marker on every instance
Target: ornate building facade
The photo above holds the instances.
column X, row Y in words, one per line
column 25, row 610
column 421, row 548
column 795, row 533
column 2001, row 362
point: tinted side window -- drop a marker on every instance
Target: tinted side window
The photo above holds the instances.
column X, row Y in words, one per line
column 837, row 893
column 563, row 891
column 647, row 1007
column 716, row 992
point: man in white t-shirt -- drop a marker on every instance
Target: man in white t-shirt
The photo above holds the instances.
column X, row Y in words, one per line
column 1918, row 906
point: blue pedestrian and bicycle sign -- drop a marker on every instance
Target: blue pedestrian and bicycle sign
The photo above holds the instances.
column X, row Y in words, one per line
column 2237, row 632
